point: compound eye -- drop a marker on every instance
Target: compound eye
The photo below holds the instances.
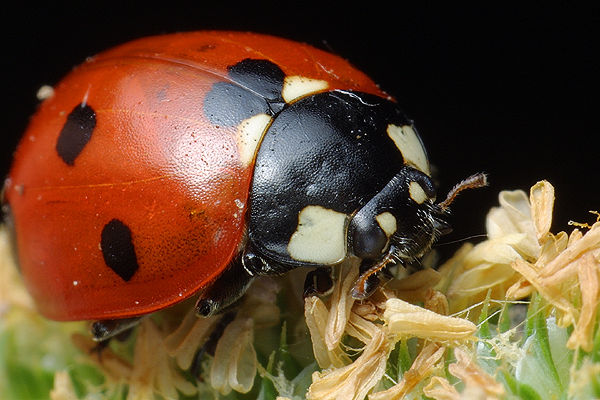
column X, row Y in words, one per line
column 368, row 238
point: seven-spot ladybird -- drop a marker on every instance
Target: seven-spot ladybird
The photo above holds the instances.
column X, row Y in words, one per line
column 190, row 163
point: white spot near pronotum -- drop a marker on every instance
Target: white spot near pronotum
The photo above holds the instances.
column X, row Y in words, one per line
column 410, row 146
column 416, row 192
column 297, row 86
column 320, row 236
column 75, row 283
column 45, row 92
column 249, row 135
column 387, row 222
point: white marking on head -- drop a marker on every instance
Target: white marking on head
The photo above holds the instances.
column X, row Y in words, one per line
column 387, row 222
column 249, row 134
column 297, row 86
column 416, row 192
column 320, row 236
column 410, row 146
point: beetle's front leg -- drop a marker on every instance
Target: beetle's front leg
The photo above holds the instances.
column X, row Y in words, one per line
column 226, row 289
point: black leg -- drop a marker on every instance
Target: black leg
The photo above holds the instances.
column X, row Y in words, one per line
column 109, row 328
column 225, row 290
column 318, row 282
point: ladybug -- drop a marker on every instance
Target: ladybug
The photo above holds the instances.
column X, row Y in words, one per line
column 191, row 163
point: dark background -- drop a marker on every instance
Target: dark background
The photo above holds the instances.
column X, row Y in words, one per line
column 511, row 91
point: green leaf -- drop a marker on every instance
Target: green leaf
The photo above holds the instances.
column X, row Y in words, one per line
column 484, row 325
column 28, row 383
column 521, row 390
column 405, row 359
column 544, row 345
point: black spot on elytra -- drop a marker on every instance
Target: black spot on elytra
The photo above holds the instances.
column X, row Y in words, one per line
column 76, row 133
column 117, row 249
column 255, row 88
column 260, row 76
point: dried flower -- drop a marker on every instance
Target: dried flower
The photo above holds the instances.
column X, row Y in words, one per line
column 407, row 320
column 341, row 304
column 485, row 269
column 565, row 273
column 353, row 381
column 439, row 388
column 378, row 323
column 425, row 364
column 234, row 366
column 316, row 315
column 587, row 273
column 183, row 343
column 478, row 383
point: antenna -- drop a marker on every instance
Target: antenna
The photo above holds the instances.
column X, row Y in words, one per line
column 472, row 182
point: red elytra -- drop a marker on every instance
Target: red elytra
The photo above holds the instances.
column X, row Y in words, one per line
column 154, row 161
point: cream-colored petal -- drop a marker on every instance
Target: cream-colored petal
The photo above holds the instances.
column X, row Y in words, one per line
column 353, row 381
column 591, row 240
column 183, row 343
column 583, row 334
column 553, row 294
column 541, row 197
column 405, row 319
column 424, row 365
column 316, row 316
column 439, row 388
column 234, row 365
column 341, row 303
column 474, row 377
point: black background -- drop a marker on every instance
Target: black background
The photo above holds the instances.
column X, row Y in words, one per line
column 508, row 90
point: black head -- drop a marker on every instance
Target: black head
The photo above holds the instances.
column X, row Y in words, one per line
column 402, row 219
column 400, row 223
